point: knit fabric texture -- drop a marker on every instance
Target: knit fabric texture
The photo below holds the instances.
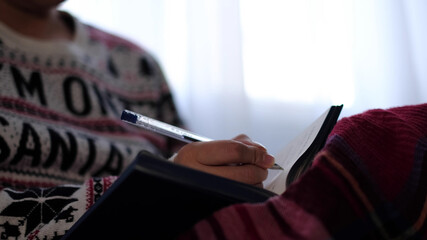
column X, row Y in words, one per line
column 368, row 182
column 62, row 142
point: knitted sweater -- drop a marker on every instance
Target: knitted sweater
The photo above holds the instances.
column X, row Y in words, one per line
column 61, row 139
column 368, row 182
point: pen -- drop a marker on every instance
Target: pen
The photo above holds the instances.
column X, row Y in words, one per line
column 167, row 129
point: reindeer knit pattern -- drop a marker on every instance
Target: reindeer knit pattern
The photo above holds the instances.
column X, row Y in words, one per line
column 62, row 143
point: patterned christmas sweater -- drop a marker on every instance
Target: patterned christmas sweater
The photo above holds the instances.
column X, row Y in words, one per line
column 62, row 143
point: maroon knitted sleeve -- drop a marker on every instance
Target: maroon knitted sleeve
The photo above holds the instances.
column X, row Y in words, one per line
column 369, row 182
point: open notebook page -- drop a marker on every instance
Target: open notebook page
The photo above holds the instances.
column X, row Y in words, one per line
column 276, row 180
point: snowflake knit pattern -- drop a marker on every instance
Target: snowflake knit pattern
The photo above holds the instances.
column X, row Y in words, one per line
column 61, row 139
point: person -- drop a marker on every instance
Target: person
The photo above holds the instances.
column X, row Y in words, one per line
column 368, row 182
column 63, row 85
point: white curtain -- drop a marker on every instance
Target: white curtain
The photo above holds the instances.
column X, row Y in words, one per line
column 268, row 68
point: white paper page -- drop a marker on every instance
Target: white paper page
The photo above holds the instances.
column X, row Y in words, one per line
column 276, row 180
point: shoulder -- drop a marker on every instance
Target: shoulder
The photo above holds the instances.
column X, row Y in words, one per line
column 110, row 40
column 414, row 116
column 121, row 53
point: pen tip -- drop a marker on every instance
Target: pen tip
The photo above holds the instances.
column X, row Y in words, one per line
column 276, row 167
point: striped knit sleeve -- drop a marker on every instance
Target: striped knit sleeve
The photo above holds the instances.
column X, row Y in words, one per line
column 369, row 182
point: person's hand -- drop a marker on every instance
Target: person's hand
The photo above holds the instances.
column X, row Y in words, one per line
column 238, row 159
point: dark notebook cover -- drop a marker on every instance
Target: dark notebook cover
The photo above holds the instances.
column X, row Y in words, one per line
column 156, row 199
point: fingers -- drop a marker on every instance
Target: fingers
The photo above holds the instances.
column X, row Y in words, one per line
column 250, row 174
column 233, row 152
column 246, row 140
column 226, row 152
column 239, row 159
column 268, row 160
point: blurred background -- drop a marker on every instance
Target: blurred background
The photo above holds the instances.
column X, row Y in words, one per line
column 268, row 68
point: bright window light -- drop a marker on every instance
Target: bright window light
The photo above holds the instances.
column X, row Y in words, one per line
column 298, row 51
